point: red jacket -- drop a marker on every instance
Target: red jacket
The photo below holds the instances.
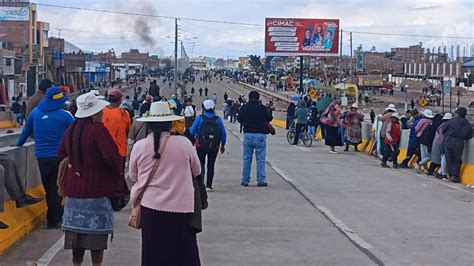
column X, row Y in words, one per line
column 393, row 133
column 100, row 173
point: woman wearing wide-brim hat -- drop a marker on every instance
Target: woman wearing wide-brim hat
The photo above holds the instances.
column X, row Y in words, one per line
column 94, row 177
column 164, row 168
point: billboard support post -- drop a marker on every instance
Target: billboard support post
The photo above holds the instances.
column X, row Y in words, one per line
column 301, row 73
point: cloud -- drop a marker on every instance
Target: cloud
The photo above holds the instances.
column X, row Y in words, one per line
column 421, row 8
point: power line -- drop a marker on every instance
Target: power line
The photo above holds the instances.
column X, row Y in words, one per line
column 150, row 15
column 240, row 23
column 410, row 35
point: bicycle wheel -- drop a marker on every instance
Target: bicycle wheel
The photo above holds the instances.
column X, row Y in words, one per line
column 290, row 136
column 306, row 138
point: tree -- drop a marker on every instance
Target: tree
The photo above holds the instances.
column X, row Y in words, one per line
column 254, row 61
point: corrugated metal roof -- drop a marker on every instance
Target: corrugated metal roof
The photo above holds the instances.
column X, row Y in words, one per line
column 468, row 64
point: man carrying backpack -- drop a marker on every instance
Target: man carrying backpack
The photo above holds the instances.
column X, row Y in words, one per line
column 209, row 131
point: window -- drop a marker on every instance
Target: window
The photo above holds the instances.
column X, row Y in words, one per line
column 8, row 62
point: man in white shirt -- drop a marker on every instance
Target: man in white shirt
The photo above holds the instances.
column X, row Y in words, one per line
column 189, row 113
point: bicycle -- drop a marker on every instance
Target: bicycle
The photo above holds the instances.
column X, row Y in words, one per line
column 304, row 136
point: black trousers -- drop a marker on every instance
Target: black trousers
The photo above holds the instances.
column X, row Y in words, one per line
column 298, row 129
column 49, row 174
column 453, row 153
column 211, row 161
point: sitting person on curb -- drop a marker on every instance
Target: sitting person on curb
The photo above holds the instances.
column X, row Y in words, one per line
column 11, row 181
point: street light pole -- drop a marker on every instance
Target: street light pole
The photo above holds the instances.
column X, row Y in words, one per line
column 176, row 57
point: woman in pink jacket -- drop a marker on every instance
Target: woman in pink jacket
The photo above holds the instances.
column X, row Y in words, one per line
column 167, row 204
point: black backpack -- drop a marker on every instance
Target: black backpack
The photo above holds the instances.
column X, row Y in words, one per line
column 209, row 134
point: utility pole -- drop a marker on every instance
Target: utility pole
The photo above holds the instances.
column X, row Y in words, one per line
column 340, row 59
column 176, row 57
column 351, row 69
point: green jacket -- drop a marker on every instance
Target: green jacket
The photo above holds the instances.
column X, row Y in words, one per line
column 301, row 116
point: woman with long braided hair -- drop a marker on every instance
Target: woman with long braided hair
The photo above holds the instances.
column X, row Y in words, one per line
column 165, row 168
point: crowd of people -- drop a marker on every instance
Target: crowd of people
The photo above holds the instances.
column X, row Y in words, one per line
column 437, row 140
column 82, row 147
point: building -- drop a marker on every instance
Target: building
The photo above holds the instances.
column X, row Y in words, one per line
column 199, row 63
column 411, row 54
column 244, row 62
column 27, row 37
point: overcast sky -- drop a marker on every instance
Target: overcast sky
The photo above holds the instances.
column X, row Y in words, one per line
column 102, row 31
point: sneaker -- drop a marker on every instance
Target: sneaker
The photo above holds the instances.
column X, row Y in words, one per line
column 419, row 169
column 395, row 166
column 263, row 184
column 209, row 189
column 430, row 173
column 333, row 152
column 440, row 176
column 27, row 200
column 403, row 166
column 384, row 165
column 244, row 184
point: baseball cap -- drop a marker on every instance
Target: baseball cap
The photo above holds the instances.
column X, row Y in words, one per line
column 208, row 104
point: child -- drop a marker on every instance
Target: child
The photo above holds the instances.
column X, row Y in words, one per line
column 392, row 140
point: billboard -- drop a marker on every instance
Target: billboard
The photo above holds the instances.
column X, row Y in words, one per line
column 12, row 13
column 298, row 37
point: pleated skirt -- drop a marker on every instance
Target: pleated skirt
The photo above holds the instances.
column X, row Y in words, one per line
column 168, row 239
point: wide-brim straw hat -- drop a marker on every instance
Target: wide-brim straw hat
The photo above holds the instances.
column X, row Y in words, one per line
column 428, row 113
column 159, row 112
column 89, row 104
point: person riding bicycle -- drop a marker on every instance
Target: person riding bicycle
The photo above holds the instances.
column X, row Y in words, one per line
column 301, row 116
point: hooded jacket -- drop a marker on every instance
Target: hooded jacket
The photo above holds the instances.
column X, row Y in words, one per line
column 458, row 129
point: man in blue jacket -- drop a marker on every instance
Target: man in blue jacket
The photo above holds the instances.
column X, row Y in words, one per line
column 209, row 131
column 48, row 122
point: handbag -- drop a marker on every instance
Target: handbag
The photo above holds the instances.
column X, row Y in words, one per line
column 62, row 175
column 134, row 220
column 118, row 203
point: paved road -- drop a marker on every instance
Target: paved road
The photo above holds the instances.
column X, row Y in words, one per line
column 319, row 209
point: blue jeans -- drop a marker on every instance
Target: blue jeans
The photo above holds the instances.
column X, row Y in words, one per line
column 258, row 143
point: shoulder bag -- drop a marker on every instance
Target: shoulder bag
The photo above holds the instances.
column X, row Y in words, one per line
column 135, row 216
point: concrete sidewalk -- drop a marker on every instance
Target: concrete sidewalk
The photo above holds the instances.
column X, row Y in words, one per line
column 243, row 226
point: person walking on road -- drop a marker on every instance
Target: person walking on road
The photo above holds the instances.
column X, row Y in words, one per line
column 48, row 122
column 189, row 113
column 117, row 121
column 331, row 118
column 206, row 91
column 353, row 120
column 93, row 178
column 457, row 131
column 154, row 90
column 290, row 112
column 200, row 92
column 313, row 121
column 34, row 100
column 301, row 116
column 209, row 131
column 255, row 118
column 164, row 169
